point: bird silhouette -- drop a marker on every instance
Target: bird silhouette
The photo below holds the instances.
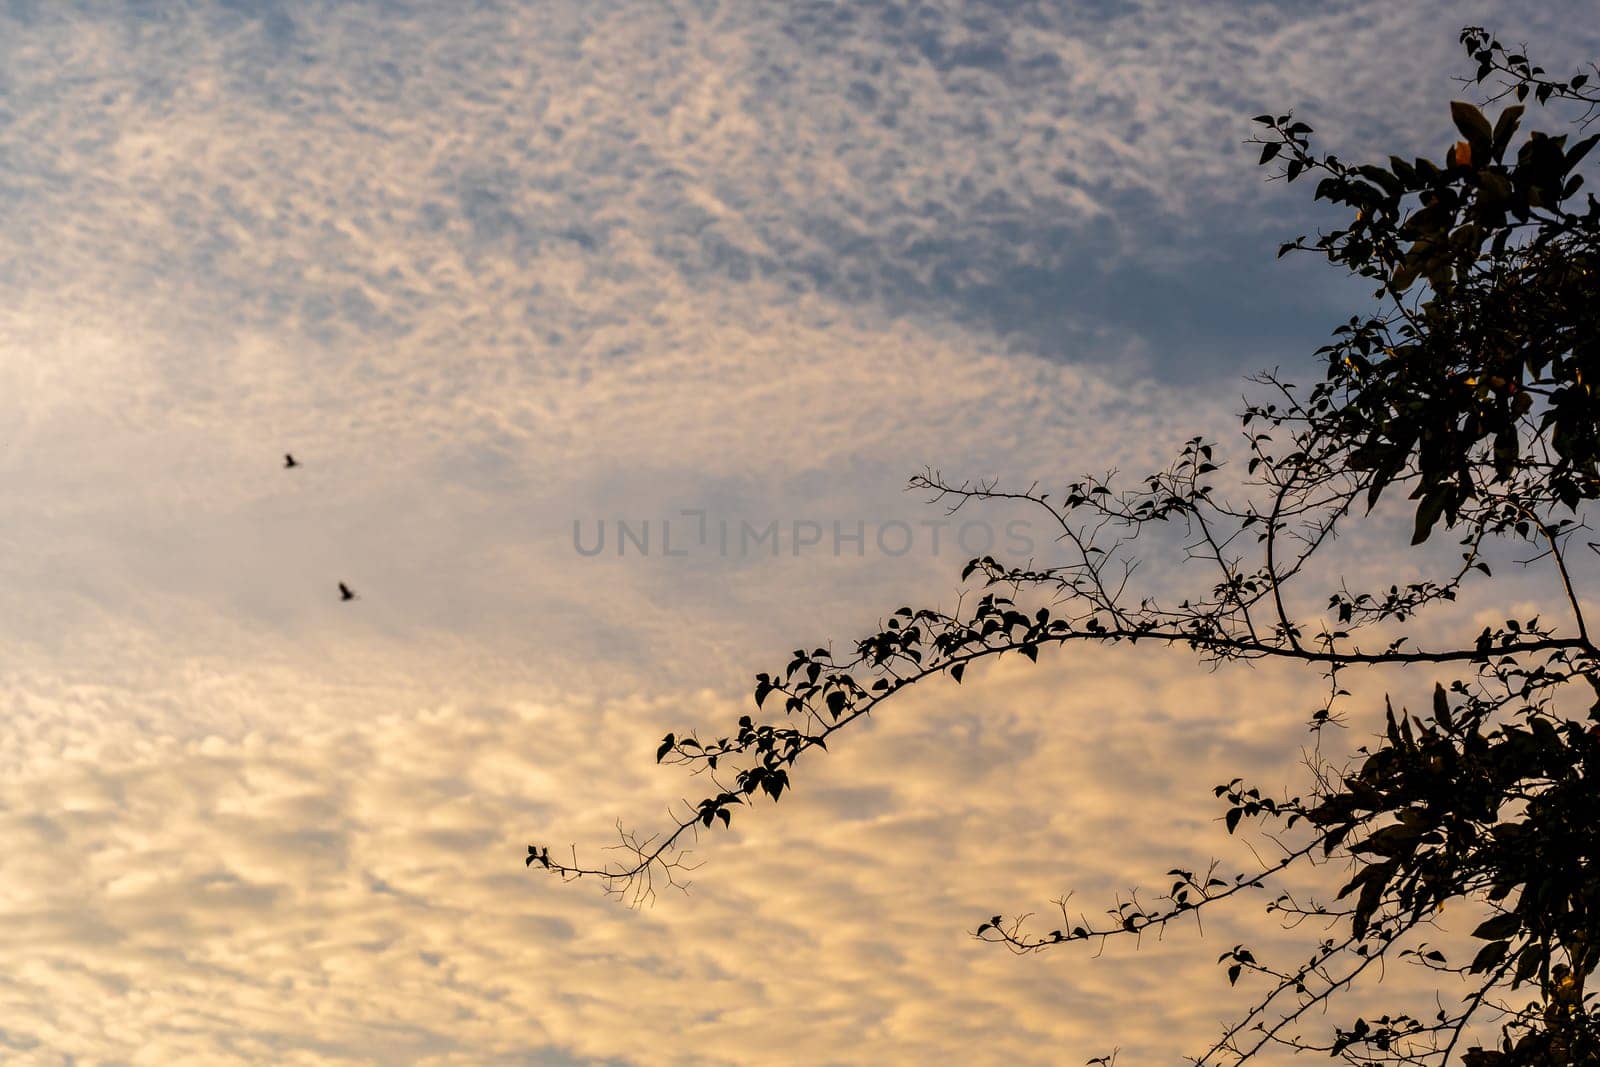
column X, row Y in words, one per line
column 346, row 593
column 289, row 461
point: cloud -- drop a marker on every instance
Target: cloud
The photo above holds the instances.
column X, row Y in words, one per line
column 494, row 182
column 490, row 271
column 346, row 889
column 344, row 886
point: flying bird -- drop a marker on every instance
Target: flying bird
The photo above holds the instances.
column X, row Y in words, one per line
column 289, row 461
column 346, row 593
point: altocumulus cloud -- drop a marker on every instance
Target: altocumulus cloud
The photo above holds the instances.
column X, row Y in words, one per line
column 344, row 888
column 490, row 270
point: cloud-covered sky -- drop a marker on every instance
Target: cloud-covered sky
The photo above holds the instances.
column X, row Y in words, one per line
column 493, row 269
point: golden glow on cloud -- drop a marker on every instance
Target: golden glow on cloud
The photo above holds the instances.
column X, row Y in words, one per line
column 486, row 273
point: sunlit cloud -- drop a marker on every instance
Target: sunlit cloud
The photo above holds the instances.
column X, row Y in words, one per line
column 492, row 272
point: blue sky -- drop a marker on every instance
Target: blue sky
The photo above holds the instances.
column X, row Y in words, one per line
column 489, row 269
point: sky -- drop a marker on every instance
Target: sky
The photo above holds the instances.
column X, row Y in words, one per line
column 500, row 273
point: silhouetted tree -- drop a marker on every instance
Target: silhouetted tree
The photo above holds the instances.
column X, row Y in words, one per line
column 1474, row 389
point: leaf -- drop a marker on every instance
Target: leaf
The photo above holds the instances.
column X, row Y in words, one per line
column 1527, row 964
column 836, row 702
column 957, row 671
column 1367, row 903
column 1578, row 151
column 1405, row 273
column 1441, row 706
column 1505, row 127
column 1473, row 126
column 1428, row 512
column 1390, row 841
column 1501, row 926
